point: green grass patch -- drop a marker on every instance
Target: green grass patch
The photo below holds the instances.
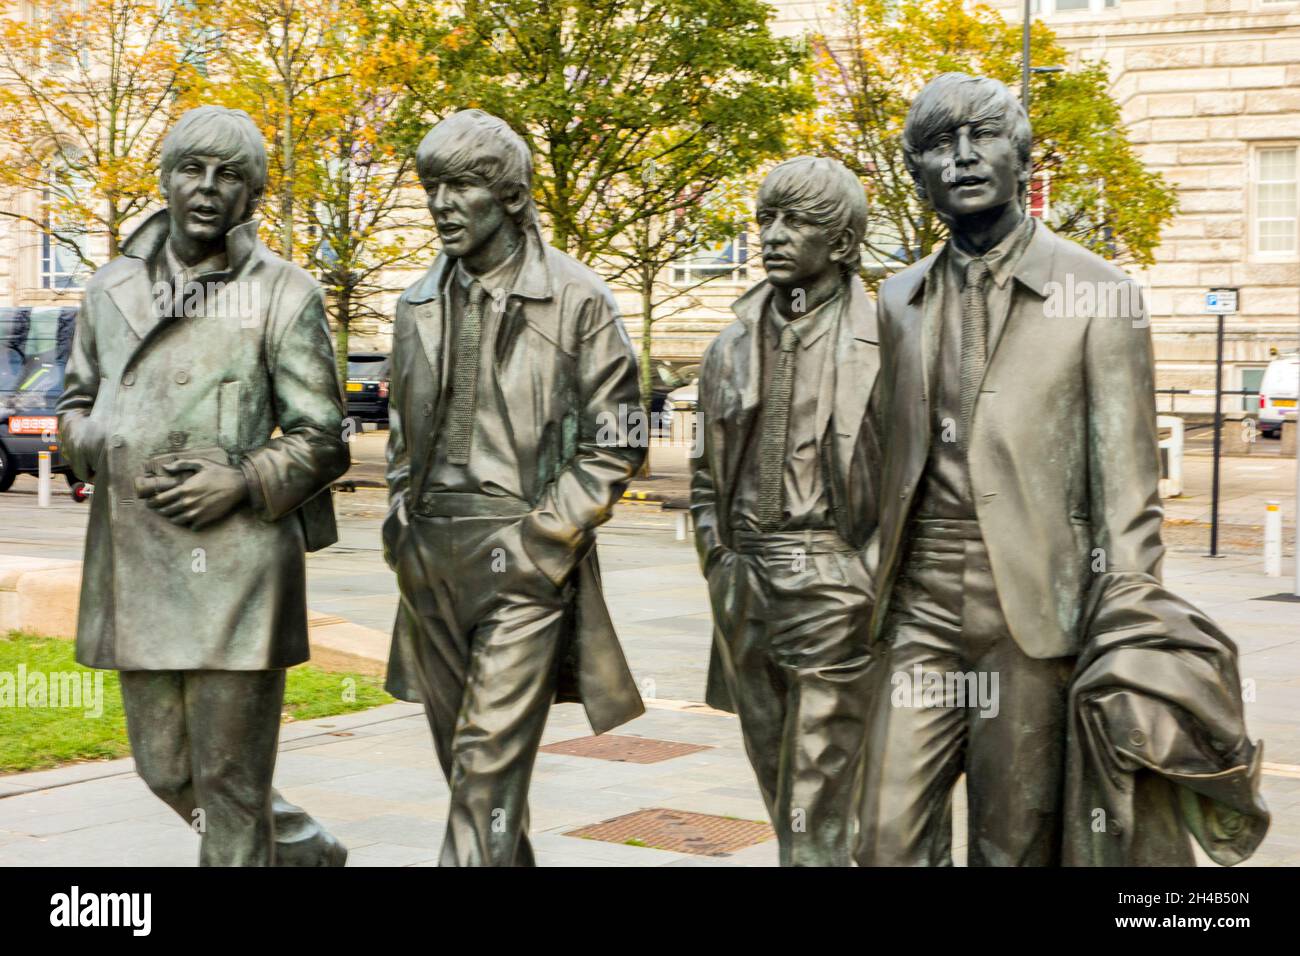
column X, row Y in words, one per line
column 74, row 713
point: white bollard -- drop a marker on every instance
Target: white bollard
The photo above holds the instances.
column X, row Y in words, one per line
column 681, row 525
column 1171, row 484
column 43, row 479
column 1273, row 541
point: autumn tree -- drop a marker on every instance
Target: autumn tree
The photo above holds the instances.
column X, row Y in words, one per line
column 879, row 53
column 277, row 59
column 88, row 90
column 637, row 113
column 328, row 83
column 367, row 212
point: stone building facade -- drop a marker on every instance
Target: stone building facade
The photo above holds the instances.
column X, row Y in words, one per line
column 1210, row 91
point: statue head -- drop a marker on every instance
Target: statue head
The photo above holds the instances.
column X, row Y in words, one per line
column 478, row 175
column 213, row 173
column 812, row 215
column 966, row 144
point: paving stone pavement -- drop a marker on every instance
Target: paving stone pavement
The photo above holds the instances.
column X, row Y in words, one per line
column 372, row 777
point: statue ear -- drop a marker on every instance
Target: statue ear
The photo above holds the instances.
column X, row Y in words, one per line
column 841, row 245
column 250, row 205
column 514, row 198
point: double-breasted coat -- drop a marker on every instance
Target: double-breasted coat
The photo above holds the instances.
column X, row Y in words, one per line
column 216, row 380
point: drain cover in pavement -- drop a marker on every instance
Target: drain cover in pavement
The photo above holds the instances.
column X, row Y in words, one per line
column 699, row 833
column 625, row 749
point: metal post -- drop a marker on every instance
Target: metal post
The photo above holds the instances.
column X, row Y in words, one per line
column 1218, row 439
column 1024, row 56
column 1273, row 541
column 43, row 479
column 1296, row 589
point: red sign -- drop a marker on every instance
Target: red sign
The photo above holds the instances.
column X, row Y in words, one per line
column 33, row 424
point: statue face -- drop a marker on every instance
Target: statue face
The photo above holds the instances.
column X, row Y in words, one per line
column 206, row 196
column 466, row 211
column 971, row 169
column 796, row 250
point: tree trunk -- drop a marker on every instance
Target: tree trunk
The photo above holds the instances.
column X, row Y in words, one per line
column 114, row 229
column 286, row 159
column 647, row 369
column 342, row 306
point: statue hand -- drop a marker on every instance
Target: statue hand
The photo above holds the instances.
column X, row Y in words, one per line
column 210, row 493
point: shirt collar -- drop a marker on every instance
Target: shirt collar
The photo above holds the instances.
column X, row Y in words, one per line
column 218, row 262
column 1002, row 259
column 497, row 281
column 807, row 328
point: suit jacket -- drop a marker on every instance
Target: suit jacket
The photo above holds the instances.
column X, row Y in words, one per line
column 1063, row 453
column 570, row 372
column 139, row 384
column 730, row 396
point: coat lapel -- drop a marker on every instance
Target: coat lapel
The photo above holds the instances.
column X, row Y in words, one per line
column 1033, row 271
column 748, row 368
column 738, row 397
column 131, row 297
column 132, row 293
column 425, row 301
column 925, row 299
column 856, row 362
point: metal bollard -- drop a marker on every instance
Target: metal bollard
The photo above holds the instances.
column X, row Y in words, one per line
column 43, row 479
column 1273, row 541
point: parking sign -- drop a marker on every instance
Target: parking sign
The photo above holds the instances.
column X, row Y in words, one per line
column 1221, row 302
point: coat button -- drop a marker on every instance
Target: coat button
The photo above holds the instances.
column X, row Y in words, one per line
column 182, row 377
column 128, row 379
column 1231, row 822
column 428, row 409
column 118, row 441
column 1136, row 737
column 176, row 439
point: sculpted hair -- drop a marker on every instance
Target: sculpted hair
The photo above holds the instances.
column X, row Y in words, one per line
column 953, row 99
column 826, row 192
column 217, row 131
column 472, row 141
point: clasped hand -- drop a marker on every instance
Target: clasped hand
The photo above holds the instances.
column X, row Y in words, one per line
column 206, row 495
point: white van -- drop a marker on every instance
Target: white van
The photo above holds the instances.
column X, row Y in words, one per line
column 1278, row 393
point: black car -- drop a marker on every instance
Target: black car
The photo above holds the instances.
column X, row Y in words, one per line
column 367, row 387
column 34, row 347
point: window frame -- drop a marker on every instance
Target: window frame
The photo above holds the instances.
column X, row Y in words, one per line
column 1253, row 184
column 686, row 273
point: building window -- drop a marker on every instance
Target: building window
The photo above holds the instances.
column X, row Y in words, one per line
column 729, row 258
column 1275, row 200
column 63, row 244
column 1048, row 7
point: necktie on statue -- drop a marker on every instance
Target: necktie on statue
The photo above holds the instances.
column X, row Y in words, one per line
column 974, row 343
column 464, row 395
column 776, row 427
